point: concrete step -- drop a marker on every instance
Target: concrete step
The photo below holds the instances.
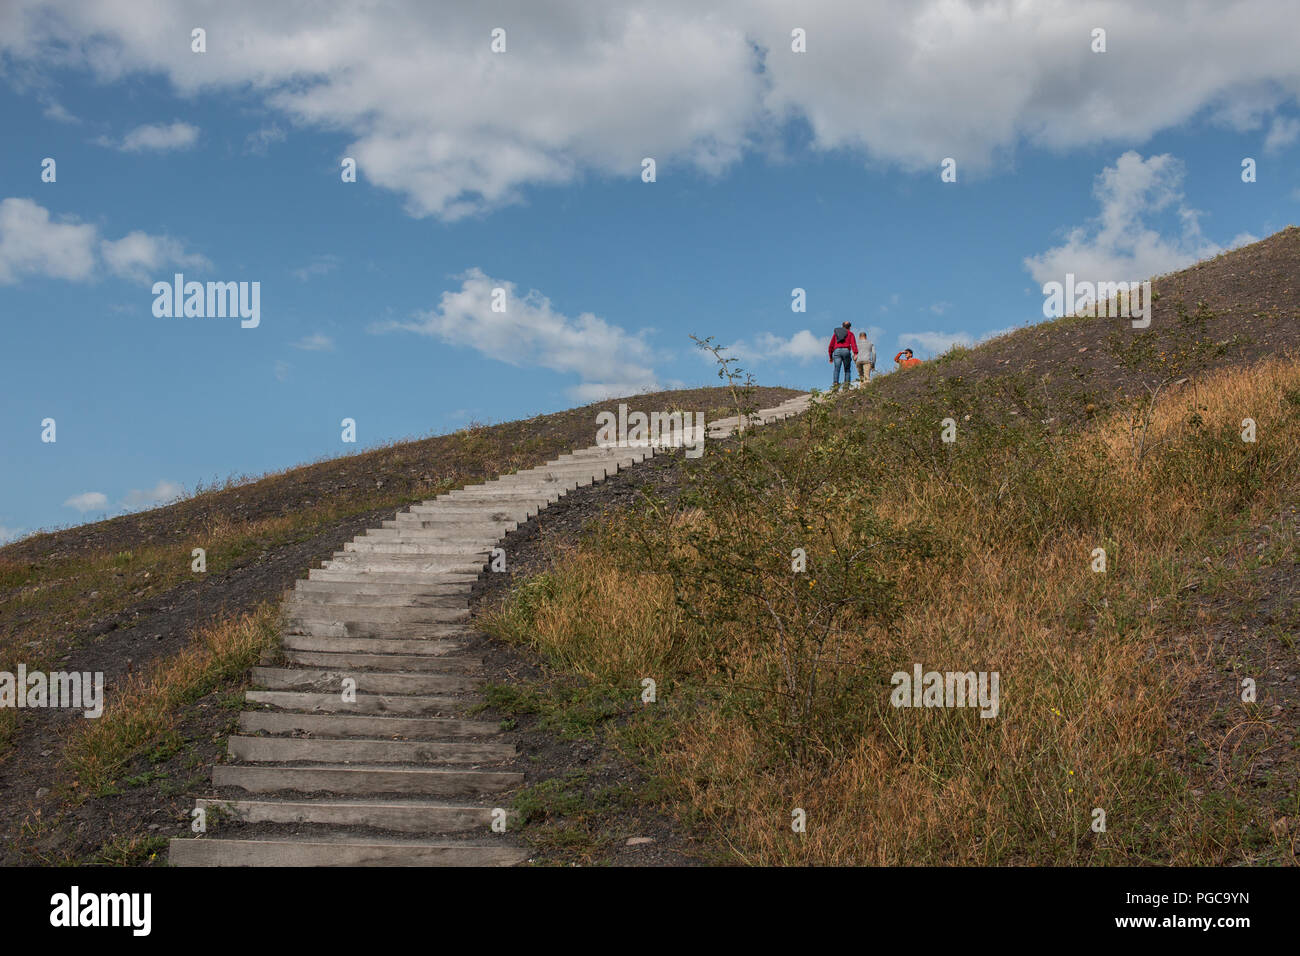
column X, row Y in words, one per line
column 419, row 663
column 352, row 751
column 515, row 490
column 405, row 816
column 415, row 531
column 436, row 515
column 357, row 780
column 541, row 478
column 354, row 725
column 373, row 629
column 347, row 613
column 637, row 454
column 431, row 547
column 447, row 502
column 454, row 597
column 596, row 467
column 422, row 527
column 473, row 502
column 371, row 645
column 399, row 704
column 408, row 564
column 368, row 682
column 361, row 852
column 308, row 589
column 487, row 516
column 348, row 575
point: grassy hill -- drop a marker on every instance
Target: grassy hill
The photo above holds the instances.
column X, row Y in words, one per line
column 1124, row 691
column 1121, row 690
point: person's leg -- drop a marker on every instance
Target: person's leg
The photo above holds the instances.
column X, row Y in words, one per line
column 835, row 365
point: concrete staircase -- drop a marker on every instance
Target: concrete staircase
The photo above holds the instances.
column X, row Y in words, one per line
column 357, row 750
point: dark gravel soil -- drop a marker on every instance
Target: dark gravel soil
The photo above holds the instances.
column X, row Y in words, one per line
column 126, row 643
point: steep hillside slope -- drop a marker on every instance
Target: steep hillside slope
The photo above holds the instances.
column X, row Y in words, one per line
column 117, row 596
column 1106, row 530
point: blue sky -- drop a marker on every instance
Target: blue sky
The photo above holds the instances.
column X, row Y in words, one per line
column 522, row 170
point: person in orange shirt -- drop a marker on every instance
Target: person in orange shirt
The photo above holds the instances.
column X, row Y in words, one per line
column 905, row 362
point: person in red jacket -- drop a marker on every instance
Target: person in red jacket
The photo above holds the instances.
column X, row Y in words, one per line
column 841, row 351
column 906, row 362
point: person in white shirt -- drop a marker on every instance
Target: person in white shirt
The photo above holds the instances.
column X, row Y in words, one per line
column 866, row 358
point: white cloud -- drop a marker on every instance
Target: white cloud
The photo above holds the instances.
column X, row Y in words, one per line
column 261, row 140
column 1122, row 243
column 1281, row 134
column 32, row 243
column 156, row 137
column 138, row 255
column 320, row 266
column 597, row 87
column 8, row 534
column 934, row 343
column 929, row 344
column 88, row 501
column 315, row 343
column 939, row 308
column 55, row 111
column 765, row 347
column 803, row 346
column 532, row 333
column 162, row 493
column 282, row 370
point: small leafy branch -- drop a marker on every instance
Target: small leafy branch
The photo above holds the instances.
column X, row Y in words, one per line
column 740, row 383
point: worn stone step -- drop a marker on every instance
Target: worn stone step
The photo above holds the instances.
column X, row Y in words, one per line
column 636, row 454
column 333, row 703
column 497, row 492
column 435, row 518
column 430, row 527
column 306, row 587
column 303, row 853
column 360, row 751
column 433, row 547
column 372, row 645
column 582, row 475
column 367, row 682
column 373, row 629
column 421, row 663
column 363, row 725
column 475, row 503
column 586, row 468
column 401, row 563
column 349, row 613
column 402, row 816
column 487, row 516
column 406, row 579
column 501, row 498
column 356, row 780
column 452, row 597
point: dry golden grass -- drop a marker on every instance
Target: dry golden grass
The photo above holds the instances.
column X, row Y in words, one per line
column 1088, row 670
column 143, row 714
